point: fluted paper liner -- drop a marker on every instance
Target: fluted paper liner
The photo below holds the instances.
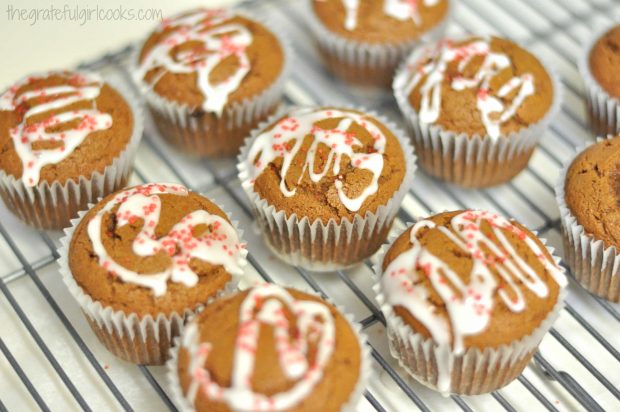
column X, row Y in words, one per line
column 362, row 63
column 145, row 340
column 474, row 371
column 603, row 109
column 186, row 405
column 53, row 205
column 471, row 161
column 319, row 246
column 595, row 266
column 205, row 134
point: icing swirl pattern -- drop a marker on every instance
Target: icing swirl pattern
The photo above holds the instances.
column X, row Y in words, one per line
column 218, row 39
column 285, row 139
column 219, row 245
column 496, row 268
column 265, row 305
column 66, row 129
column 494, row 110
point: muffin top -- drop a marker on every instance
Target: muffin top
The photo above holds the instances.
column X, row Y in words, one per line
column 591, row 190
column 58, row 126
column 605, row 61
column 380, row 21
column 155, row 248
column 477, row 86
column 471, row 279
column 326, row 163
column 208, row 59
column 274, row 349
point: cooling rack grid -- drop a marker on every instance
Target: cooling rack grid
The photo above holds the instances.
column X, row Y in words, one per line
column 51, row 359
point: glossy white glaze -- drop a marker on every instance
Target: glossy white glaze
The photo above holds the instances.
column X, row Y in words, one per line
column 493, row 110
column 218, row 246
column 469, row 305
column 219, row 40
column 398, row 9
column 265, row 305
column 286, row 138
column 80, row 87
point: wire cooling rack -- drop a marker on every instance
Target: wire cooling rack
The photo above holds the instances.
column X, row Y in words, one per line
column 51, row 359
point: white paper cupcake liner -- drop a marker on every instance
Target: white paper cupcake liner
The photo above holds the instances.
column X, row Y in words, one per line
column 473, row 372
column 595, row 266
column 471, row 161
column 201, row 134
column 603, row 109
column 189, row 338
column 145, row 340
column 362, row 63
column 330, row 246
column 53, row 205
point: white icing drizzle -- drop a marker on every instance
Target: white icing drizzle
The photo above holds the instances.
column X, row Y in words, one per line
column 217, row 44
column 264, row 305
column 487, row 104
column 350, row 9
column 398, row 9
column 406, row 9
column 277, row 143
column 469, row 305
column 217, row 246
column 25, row 134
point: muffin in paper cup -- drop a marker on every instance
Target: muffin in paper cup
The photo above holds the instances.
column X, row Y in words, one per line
column 203, row 117
column 463, row 349
column 312, row 220
column 371, row 62
column 603, row 107
column 194, row 380
column 137, row 315
column 478, row 149
column 591, row 255
column 87, row 140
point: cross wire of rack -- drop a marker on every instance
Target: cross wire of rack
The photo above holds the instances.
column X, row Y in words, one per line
column 52, row 360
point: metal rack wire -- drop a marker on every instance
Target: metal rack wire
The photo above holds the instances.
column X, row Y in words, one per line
column 51, row 359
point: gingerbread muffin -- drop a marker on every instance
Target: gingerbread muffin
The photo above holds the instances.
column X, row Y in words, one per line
column 145, row 258
column 325, row 183
column 66, row 139
column 363, row 41
column 462, row 289
column 209, row 78
column 275, row 349
column 587, row 194
column 476, row 107
column 599, row 66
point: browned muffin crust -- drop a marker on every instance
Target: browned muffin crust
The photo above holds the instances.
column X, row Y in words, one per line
column 459, row 113
column 505, row 326
column 265, row 54
column 374, row 26
column 102, row 287
column 320, row 200
column 605, row 61
column 340, row 377
column 592, row 190
column 97, row 151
